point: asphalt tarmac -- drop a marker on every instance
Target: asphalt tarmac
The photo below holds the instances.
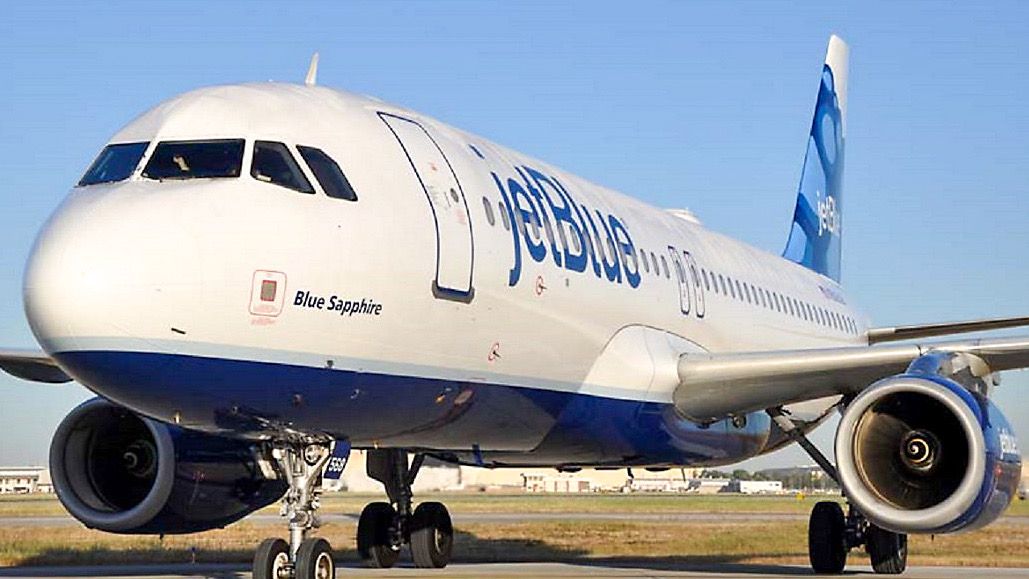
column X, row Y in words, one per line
column 593, row 569
column 652, row 568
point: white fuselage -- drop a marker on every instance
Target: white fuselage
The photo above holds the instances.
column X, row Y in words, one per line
column 411, row 280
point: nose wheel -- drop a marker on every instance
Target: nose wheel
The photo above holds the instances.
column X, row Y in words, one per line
column 302, row 557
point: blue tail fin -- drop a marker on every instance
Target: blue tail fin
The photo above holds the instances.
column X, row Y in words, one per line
column 817, row 220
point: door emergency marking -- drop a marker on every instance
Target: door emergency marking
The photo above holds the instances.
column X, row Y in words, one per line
column 267, row 293
column 698, row 287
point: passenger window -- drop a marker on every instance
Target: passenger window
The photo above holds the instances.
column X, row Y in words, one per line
column 534, row 221
column 589, row 242
column 703, row 273
column 646, row 263
column 114, row 163
column 328, row 173
column 487, row 207
column 576, row 244
column 631, row 256
column 221, row 158
column 274, row 164
column 503, row 216
column 721, row 280
column 664, row 267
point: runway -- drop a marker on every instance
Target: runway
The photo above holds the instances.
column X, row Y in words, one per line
column 584, row 569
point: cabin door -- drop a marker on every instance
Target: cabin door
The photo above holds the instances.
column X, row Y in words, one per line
column 454, row 252
column 682, row 277
column 698, row 287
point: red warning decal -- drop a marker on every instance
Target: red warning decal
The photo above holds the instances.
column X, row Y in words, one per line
column 267, row 293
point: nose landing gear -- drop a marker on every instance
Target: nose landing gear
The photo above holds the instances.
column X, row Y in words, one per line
column 303, row 557
column 832, row 534
column 384, row 528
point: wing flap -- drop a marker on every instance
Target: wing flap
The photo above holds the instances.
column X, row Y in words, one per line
column 713, row 386
column 32, row 365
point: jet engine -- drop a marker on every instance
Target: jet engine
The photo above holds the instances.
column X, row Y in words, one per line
column 117, row 471
column 923, row 453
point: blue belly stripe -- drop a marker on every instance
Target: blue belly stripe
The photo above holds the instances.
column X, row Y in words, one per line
column 512, row 425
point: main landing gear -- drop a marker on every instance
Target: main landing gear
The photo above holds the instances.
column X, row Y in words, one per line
column 302, row 557
column 384, row 528
column 833, row 533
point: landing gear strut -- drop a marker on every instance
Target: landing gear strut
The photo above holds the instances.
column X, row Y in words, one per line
column 302, row 557
column 384, row 528
column 833, row 533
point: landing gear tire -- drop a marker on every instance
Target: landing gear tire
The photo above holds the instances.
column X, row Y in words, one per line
column 432, row 536
column 826, row 538
column 888, row 551
column 314, row 560
column 271, row 558
column 375, row 541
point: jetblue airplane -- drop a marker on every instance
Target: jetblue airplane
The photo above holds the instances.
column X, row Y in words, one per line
column 256, row 279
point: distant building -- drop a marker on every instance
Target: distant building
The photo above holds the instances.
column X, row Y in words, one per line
column 806, row 478
column 556, row 483
column 755, row 487
column 25, row 480
column 708, row 486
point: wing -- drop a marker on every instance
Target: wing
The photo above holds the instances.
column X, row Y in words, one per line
column 878, row 335
column 713, row 386
column 32, row 365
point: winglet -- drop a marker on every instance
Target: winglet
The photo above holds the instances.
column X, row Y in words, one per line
column 312, row 71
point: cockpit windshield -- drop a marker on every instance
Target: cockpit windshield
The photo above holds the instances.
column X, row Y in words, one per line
column 195, row 159
column 114, row 163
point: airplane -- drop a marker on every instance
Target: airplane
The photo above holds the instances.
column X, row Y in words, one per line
column 255, row 279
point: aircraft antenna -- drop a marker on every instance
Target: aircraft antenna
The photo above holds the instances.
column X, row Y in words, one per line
column 312, row 71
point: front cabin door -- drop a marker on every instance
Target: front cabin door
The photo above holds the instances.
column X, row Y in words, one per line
column 454, row 252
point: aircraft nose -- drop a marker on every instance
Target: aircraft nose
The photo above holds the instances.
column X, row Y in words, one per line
column 105, row 268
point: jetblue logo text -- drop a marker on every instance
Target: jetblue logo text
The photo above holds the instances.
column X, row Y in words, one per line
column 548, row 221
column 828, row 217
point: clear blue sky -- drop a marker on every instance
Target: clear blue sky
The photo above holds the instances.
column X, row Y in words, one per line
column 704, row 105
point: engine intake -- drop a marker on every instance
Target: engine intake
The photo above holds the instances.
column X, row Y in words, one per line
column 921, row 453
column 123, row 473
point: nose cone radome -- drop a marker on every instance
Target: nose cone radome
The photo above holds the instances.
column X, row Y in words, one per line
column 106, row 268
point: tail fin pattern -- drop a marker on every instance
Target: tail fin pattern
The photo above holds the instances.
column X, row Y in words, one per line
column 817, row 227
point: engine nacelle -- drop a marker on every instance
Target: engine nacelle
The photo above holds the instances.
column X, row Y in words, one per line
column 920, row 453
column 119, row 472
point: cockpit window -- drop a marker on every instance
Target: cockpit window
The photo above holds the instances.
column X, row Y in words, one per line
column 273, row 163
column 114, row 163
column 328, row 173
column 195, row 159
